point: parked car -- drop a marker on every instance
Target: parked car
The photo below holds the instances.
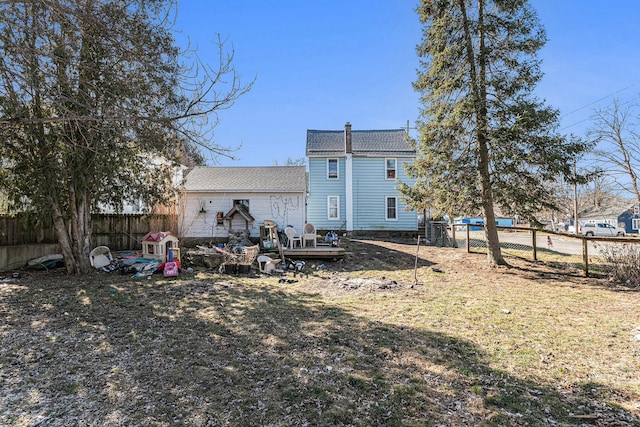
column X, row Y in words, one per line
column 600, row 229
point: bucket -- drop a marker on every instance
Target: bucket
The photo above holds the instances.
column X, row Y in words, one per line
column 230, row 268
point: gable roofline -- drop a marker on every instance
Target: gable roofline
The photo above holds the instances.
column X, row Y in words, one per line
column 239, row 209
column 363, row 143
column 247, row 179
column 395, row 153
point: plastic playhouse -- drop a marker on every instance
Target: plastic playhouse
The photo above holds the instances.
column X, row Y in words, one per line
column 157, row 245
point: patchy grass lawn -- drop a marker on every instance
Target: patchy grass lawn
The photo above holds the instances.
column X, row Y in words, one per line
column 356, row 344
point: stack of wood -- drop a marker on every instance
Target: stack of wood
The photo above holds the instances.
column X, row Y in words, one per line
column 239, row 238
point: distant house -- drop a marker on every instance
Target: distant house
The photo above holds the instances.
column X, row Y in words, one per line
column 625, row 215
column 353, row 178
column 217, row 201
column 137, row 206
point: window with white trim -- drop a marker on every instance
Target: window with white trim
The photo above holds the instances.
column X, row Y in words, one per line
column 391, row 208
column 635, row 223
column 332, row 169
column 333, row 207
column 390, row 168
column 243, row 202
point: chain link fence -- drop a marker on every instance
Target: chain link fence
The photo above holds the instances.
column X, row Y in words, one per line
column 616, row 257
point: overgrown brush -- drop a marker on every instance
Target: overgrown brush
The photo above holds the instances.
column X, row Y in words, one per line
column 624, row 263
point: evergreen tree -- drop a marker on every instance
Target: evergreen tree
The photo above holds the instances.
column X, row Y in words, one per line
column 92, row 93
column 484, row 139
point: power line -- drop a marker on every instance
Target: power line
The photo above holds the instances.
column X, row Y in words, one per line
column 576, row 123
column 595, row 102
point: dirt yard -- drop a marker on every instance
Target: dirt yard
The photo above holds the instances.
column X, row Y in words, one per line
column 363, row 341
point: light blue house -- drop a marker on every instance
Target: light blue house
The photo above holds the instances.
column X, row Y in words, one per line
column 353, row 177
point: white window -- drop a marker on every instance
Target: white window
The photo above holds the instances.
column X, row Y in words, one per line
column 332, row 168
column 635, row 223
column 243, row 202
column 390, row 168
column 333, row 207
column 391, row 208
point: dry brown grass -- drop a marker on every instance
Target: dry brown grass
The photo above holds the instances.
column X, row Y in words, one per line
column 357, row 343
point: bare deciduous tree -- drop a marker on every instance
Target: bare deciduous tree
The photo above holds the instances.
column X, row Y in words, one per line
column 618, row 149
column 93, row 94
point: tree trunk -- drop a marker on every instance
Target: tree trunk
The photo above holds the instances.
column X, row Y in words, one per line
column 80, row 229
column 74, row 236
column 491, row 231
column 494, row 253
column 454, row 242
column 60, row 228
column 629, row 168
column 479, row 92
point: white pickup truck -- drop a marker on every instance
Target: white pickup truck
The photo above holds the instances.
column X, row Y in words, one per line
column 600, row 229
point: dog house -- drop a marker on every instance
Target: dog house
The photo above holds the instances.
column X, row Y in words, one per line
column 239, row 218
column 156, row 245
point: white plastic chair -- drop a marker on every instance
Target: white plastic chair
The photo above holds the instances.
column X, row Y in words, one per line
column 268, row 265
column 309, row 234
column 100, row 257
column 292, row 238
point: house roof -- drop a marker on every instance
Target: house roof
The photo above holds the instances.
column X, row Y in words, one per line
column 261, row 179
column 159, row 236
column 606, row 212
column 389, row 142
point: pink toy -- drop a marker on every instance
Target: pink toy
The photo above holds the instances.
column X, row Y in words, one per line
column 170, row 267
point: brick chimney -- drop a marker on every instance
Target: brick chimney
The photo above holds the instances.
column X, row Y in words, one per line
column 347, row 139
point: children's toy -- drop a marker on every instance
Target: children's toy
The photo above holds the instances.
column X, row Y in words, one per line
column 170, row 267
column 159, row 245
column 147, row 268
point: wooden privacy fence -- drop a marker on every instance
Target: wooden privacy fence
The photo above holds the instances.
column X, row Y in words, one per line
column 118, row 232
column 23, row 230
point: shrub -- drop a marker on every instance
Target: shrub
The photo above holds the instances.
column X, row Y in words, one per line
column 624, row 263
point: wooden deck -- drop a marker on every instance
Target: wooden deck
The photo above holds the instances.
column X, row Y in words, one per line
column 321, row 252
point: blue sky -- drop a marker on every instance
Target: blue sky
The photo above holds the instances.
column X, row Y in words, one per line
column 320, row 64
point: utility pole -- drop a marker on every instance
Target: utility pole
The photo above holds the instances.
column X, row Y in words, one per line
column 575, row 196
column 409, row 127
